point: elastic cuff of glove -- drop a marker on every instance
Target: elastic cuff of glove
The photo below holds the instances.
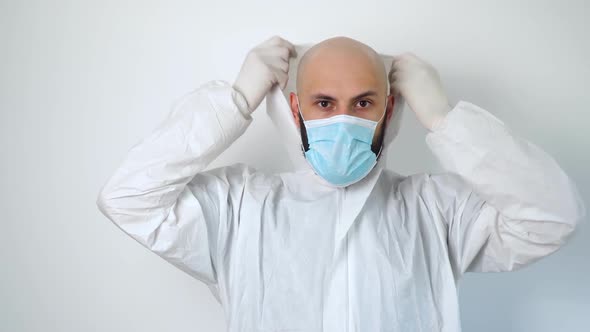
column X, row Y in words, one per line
column 440, row 122
column 241, row 102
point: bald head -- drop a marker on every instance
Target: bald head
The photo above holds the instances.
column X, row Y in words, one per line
column 335, row 57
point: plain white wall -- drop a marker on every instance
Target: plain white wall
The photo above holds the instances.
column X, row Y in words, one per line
column 82, row 81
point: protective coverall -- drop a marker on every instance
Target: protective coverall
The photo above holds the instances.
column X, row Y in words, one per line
column 287, row 252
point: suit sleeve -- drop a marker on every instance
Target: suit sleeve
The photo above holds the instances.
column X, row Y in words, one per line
column 160, row 194
column 505, row 202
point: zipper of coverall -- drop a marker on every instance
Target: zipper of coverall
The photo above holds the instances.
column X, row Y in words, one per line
column 345, row 248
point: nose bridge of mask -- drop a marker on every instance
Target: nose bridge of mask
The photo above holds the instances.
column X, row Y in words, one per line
column 341, row 119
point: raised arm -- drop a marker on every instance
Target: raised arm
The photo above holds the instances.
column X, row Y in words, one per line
column 160, row 195
column 148, row 197
column 506, row 202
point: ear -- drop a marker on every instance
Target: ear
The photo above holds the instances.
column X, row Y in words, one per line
column 294, row 109
column 389, row 109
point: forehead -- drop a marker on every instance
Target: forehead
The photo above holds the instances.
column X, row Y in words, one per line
column 340, row 75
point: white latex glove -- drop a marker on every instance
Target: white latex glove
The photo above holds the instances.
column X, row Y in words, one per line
column 419, row 83
column 265, row 65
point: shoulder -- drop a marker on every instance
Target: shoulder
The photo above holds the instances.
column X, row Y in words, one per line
column 238, row 175
column 441, row 183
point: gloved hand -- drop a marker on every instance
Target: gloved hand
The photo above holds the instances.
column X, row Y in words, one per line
column 419, row 83
column 265, row 65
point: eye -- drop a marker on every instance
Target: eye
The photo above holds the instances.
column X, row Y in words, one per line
column 364, row 101
column 323, row 103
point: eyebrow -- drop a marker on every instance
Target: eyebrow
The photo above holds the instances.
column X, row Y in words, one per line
column 327, row 97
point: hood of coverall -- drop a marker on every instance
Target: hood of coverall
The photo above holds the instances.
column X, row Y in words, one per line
column 279, row 110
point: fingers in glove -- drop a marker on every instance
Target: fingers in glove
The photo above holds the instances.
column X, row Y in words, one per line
column 283, row 43
column 278, row 52
column 282, row 78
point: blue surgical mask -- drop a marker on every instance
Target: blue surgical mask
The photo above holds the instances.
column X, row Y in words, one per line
column 340, row 147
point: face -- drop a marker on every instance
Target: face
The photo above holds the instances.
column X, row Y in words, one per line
column 326, row 90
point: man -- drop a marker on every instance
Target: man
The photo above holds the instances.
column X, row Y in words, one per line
column 343, row 244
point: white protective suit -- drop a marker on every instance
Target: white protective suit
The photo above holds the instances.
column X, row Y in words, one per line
column 288, row 252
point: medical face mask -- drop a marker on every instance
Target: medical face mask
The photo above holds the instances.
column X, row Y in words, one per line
column 340, row 147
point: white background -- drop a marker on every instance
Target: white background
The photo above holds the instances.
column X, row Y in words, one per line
column 81, row 82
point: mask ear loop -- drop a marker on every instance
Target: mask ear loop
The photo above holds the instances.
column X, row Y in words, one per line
column 383, row 128
column 302, row 130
